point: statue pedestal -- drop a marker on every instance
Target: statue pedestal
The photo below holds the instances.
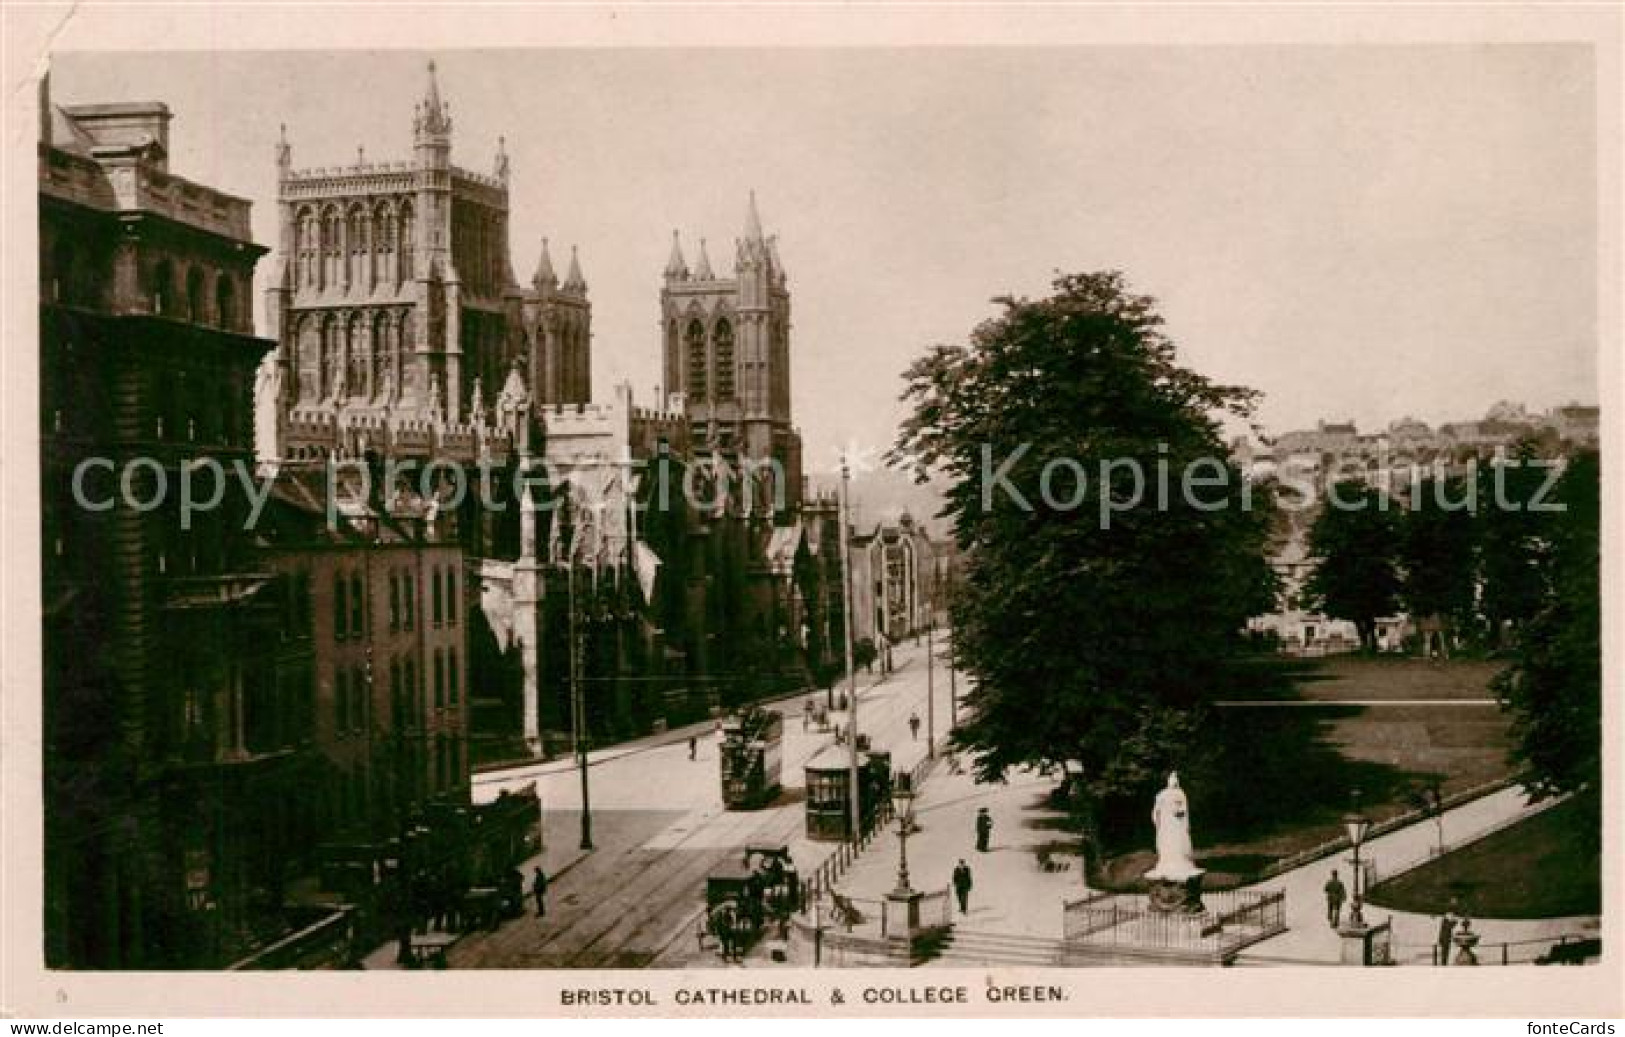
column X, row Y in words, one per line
column 901, row 912
column 1355, row 944
column 1182, row 896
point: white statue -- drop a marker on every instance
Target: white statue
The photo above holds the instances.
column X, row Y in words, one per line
column 267, row 407
column 1171, row 815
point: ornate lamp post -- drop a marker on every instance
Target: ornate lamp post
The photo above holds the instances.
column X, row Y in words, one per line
column 903, row 903
column 1357, row 826
column 902, row 799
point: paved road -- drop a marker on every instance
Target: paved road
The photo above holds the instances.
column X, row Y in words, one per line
column 659, row 829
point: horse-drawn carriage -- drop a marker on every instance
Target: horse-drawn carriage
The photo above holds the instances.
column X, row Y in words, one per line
column 741, row 902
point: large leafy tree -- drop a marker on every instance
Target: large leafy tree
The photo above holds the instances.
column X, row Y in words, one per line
column 1437, row 554
column 1355, row 544
column 1513, row 540
column 1554, row 686
column 1093, row 608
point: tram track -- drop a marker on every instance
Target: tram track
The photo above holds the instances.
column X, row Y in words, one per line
column 634, row 905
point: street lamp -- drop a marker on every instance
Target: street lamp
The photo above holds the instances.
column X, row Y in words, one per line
column 902, row 800
column 1357, row 826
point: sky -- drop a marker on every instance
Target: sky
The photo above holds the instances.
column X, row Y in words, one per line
column 1361, row 232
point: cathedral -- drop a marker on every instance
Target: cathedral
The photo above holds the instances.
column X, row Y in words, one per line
column 396, row 312
column 402, row 334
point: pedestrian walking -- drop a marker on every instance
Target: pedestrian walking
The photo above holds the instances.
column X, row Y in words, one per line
column 1335, row 895
column 693, row 746
column 538, row 889
column 1447, row 934
column 962, row 886
column 914, row 726
column 984, row 829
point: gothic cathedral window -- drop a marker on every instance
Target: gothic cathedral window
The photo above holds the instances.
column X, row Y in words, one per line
column 697, row 381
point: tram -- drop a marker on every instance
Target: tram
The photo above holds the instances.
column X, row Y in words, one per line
column 752, row 749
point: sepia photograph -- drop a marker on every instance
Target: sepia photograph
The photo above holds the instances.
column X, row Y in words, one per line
column 730, row 511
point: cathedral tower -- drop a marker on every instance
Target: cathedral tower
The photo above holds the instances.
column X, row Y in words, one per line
column 393, row 300
column 727, row 350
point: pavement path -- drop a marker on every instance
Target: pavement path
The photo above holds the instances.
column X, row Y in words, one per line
column 1014, row 897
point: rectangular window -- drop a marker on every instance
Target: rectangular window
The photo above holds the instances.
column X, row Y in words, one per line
column 396, row 707
column 358, row 700
column 439, row 680
column 451, row 596
column 341, row 606
column 413, row 693
column 453, row 677
column 394, row 600
column 358, row 602
column 409, row 588
column 434, row 594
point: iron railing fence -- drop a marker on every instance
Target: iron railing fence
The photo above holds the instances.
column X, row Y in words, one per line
column 1231, row 914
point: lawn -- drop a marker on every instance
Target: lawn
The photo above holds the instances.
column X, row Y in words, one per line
column 1546, row 867
column 1280, row 778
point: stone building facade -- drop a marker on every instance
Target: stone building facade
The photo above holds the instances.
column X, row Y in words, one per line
column 178, row 734
column 894, row 582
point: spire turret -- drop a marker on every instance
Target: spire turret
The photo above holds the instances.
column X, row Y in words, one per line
column 284, row 151
column 676, row 266
column 545, row 277
column 433, row 115
column 573, row 281
column 502, row 159
column 702, row 267
column 753, row 222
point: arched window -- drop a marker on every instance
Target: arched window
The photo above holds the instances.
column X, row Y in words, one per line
column 332, row 355
column 356, row 349
column 332, row 249
column 723, row 338
column 406, row 244
column 451, row 596
column 307, row 369
column 194, row 295
column 439, row 679
column 694, row 339
column 161, row 292
column 225, row 302
column 383, row 243
column 359, row 250
column 454, row 680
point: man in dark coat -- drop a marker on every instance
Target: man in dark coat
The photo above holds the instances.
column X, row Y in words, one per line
column 962, row 886
column 538, row 889
column 984, row 829
column 1335, row 894
column 1447, row 933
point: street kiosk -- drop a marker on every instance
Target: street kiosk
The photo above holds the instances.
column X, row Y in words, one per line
column 829, row 776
